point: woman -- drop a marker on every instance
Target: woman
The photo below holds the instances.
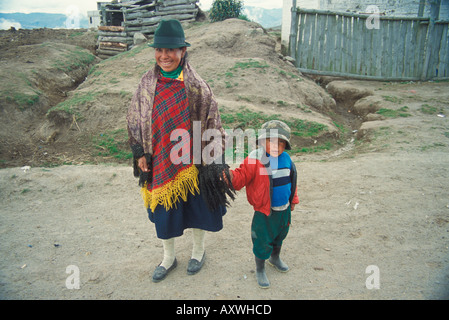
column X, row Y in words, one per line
column 170, row 103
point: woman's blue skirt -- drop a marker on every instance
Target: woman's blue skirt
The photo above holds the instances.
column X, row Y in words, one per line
column 193, row 213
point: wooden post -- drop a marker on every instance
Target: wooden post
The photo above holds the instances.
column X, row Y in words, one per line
column 422, row 5
column 293, row 31
column 431, row 36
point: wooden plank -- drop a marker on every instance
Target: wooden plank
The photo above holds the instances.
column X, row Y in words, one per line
column 113, row 44
column 157, row 19
column 292, row 50
column 321, row 32
column 402, row 48
column 306, row 42
column 109, row 52
column 409, row 47
column 365, row 48
column 338, row 43
column 354, row 76
column 177, row 7
column 297, row 44
column 443, row 67
column 117, row 39
column 112, row 34
column 394, row 36
column 150, row 14
column 355, row 46
column 111, row 28
column 142, row 7
column 376, row 56
column 315, row 42
column 356, row 15
column 175, row 2
column 422, row 36
column 328, row 44
column 435, row 47
column 346, row 43
column 386, row 48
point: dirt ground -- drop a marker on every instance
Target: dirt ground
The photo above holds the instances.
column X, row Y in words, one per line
column 379, row 199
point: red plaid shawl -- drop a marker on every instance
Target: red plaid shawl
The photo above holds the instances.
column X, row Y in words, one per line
column 203, row 108
column 171, row 181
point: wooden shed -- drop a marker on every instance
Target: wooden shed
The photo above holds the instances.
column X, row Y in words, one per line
column 120, row 21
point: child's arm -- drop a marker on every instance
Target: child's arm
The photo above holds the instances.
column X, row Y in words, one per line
column 295, row 200
column 243, row 175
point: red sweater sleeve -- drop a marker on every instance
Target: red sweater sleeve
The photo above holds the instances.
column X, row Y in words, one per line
column 243, row 175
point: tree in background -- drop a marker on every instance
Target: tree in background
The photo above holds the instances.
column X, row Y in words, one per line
column 225, row 9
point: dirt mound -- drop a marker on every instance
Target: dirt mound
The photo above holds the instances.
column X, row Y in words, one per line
column 238, row 59
column 36, row 76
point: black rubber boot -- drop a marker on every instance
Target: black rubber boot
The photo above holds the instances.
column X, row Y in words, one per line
column 262, row 279
column 276, row 261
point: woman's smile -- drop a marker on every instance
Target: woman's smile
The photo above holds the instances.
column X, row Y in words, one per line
column 169, row 59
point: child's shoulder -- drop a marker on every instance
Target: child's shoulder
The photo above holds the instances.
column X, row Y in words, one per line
column 257, row 154
column 286, row 160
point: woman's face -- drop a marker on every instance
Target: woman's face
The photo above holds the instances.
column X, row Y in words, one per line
column 169, row 59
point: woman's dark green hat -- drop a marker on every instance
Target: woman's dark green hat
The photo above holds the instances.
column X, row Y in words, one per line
column 169, row 34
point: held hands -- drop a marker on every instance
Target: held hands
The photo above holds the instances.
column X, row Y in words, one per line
column 229, row 183
column 142, row 163
column 225, row 179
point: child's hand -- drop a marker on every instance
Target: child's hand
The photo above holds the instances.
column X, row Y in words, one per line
column 225, row 179
column 292, row 206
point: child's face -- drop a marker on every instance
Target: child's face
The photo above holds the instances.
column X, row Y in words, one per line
column 275, row 146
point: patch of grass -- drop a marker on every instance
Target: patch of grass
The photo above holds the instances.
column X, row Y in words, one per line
column 392, row 99
column 22, row 100
column 21, row 93
column 390, row 113
column 113, row 144
column 73, row 60
column 69, row 104
column 340, row 127
column 428, row 109
column 431, row 146
column 314, row 149
column 248, row 119
column 249, row 64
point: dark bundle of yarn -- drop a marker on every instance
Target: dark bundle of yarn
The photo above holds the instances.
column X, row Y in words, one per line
column 213, row 187
column 144, row 177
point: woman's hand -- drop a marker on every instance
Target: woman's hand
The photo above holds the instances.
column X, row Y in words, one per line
column 142, row 163
column 225, row 179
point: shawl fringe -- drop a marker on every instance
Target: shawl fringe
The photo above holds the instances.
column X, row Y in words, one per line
column 169, row 194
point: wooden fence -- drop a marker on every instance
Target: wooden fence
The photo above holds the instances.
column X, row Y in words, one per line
column 341, row 44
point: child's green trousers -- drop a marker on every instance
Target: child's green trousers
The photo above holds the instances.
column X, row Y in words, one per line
column 269, row 231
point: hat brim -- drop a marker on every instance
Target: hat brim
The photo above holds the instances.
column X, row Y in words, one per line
column 168, row 46
column 267, row 135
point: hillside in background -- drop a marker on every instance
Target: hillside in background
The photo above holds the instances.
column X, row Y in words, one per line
column 267, row 18
column 37, row 20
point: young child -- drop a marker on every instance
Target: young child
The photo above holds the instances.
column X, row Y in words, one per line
column 270, row 179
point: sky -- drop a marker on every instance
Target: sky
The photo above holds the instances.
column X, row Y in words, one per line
column 66, row 6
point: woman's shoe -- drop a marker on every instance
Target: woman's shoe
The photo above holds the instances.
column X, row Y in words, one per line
column 195, row 266
column 161, row 272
